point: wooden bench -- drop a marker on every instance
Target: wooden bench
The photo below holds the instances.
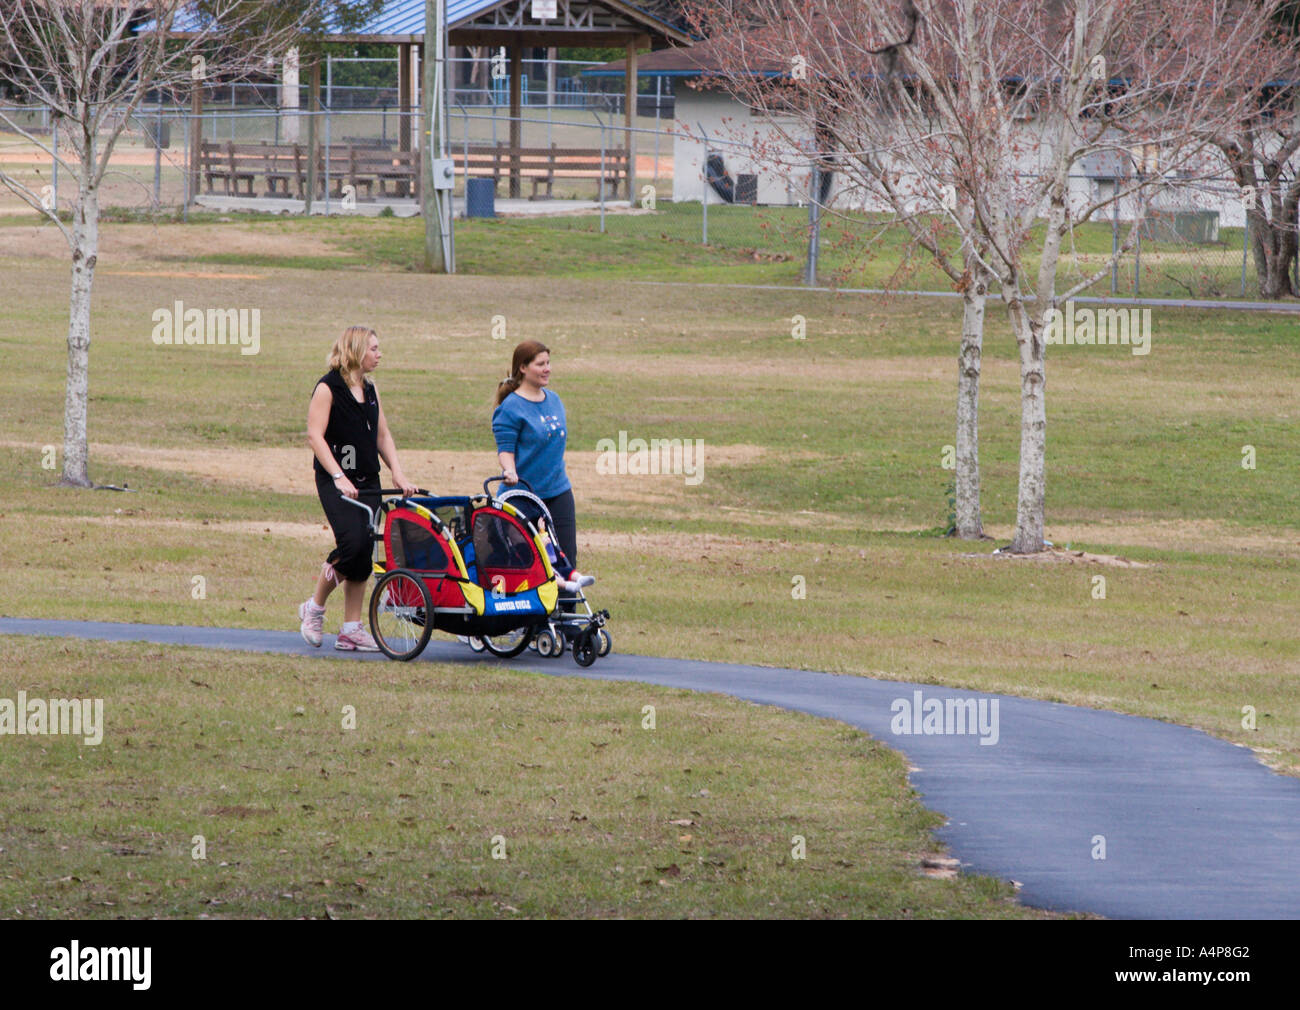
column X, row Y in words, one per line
column 399, row 169
column 285, row 169
column 543, row 165
column 396, row 174
column 240, row 164
column 222, row 161
column 334, row 164
column 366, row 167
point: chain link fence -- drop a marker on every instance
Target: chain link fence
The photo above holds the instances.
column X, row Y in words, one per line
column 485, row 81
column 1193, row 243
column 146, row 170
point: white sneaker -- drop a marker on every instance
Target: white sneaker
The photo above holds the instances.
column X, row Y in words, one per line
column 313, row 621
column 355, row 641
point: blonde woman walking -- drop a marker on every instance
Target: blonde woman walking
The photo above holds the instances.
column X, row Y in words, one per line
column 348, row 434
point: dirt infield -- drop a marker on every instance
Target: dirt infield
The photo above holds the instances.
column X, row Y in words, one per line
column 142, row 243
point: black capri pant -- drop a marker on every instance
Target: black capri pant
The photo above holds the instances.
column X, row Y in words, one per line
column 566, row 524
column 353, row 554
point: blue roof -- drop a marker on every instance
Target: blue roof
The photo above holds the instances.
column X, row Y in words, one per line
column 406, row 17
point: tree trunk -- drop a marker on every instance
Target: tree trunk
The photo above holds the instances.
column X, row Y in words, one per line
column 85, row 251
column 1028, row 327
column 1276, row 282
column 1032, row 494
column 1272, row 240
column 1279, row 245
column 969, row 524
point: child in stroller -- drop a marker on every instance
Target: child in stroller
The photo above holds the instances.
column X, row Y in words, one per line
column 575, row 610
column 570, row 579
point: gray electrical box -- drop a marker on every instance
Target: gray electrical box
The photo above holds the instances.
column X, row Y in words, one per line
column 746, row 188
column 444, row 173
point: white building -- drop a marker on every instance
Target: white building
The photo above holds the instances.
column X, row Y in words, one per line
column 763, row 167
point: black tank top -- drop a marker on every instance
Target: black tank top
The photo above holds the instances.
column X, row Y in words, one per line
column 353, row 429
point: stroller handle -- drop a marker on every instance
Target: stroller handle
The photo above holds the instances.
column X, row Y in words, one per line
column 383, row 490
column 502, row 478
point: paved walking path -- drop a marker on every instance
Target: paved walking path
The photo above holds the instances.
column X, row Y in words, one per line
column 1193, row 827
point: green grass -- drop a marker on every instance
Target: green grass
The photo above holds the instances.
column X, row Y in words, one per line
column 765, row 245
column 1133, row 443
column 724, row 369
column 822, row 460
column 400, row 815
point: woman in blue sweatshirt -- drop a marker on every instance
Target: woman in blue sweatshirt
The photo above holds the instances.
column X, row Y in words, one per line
column 530, row 432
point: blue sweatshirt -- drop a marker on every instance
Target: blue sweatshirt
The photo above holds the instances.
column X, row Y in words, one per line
column 535, row 433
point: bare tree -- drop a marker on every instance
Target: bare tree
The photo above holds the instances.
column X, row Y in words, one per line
column 819, row 61
column 91, row 63
column 1263, row 153
column 964, row 120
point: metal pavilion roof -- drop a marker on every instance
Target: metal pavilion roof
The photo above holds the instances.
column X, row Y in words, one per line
column 403, row 20
column 406, row 17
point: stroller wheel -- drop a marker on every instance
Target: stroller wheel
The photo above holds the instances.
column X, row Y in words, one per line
column 547, row 644
column 399, row 606
column 512, row 643
column 606, row 643
column 584, row 651
column 476, row 643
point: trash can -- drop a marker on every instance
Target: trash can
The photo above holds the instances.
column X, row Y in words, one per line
column 480, row 198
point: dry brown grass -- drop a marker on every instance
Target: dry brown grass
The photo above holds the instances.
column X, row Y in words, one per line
column 145, row 243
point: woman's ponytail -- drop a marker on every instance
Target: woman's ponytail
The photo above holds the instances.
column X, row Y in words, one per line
column 505, row 387
column 521, row 359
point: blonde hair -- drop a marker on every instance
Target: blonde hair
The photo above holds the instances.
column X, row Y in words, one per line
column 348, row 351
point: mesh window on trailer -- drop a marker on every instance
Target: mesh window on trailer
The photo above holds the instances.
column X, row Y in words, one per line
column 414, row 547
column 499, row 543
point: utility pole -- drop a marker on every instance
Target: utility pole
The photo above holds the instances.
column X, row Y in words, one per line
column 435, row 170
column 313, row 135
